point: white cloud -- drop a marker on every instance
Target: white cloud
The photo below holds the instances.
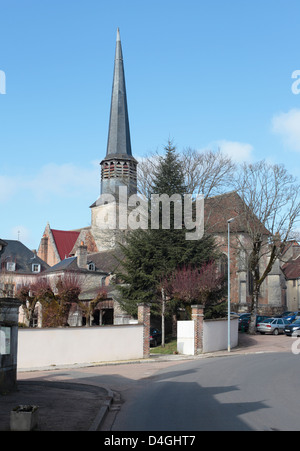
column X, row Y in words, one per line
column 287, row 125
column 52, row 181
column 64, row 181
column 238, row 151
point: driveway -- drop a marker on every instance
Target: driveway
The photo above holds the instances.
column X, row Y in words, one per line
column 265, row 343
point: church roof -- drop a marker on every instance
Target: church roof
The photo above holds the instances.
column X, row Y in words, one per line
column 219, row 209
column 119, row 143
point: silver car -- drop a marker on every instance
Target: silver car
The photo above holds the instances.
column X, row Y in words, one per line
column 272, row 326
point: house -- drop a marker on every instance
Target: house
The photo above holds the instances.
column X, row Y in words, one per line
column 93, row 272
column 19, row 266
column 56, row 245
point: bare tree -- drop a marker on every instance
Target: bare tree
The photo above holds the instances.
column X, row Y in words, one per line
column 271, row 211
column 206, row 172
column 32, row 293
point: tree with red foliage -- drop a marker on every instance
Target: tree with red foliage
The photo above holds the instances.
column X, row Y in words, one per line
column 202, row 285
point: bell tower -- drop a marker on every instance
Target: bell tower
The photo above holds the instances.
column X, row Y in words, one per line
column 119, row 167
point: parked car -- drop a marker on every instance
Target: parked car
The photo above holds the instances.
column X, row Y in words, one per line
column 293, row 316
column 284, row 314
column 155, row 337
column 245, row 321
column 273, row 326
column 293, row 329
column 290, row 316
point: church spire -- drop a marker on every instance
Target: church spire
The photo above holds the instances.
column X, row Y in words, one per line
column 119, row 134
column 118, row 168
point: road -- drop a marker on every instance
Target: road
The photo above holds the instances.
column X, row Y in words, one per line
column 239, row 393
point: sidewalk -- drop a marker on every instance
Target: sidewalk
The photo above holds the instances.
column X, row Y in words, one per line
column 65, row 406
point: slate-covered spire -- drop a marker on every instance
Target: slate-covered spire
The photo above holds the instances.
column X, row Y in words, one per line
column 119, row 133
column 119, row 167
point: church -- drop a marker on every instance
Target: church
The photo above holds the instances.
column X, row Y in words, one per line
column 118, row 168
column 93, row 250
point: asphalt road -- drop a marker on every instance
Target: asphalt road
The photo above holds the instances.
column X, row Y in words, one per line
column 258, row 392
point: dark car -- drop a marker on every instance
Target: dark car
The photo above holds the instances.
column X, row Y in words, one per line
column 284, row 314
column 290, row 316
column 293, row 329
column 155, row 337
column 244, row 321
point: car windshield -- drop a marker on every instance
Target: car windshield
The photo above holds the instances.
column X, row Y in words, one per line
column 297, row 321
column 269, row 320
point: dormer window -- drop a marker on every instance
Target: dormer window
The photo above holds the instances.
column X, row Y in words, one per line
column 10, row 266
column 92, row 267
column 36, row 267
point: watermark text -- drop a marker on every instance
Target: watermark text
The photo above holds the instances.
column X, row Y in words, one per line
column 2, row 82
column 296, row 84
column 137, row 212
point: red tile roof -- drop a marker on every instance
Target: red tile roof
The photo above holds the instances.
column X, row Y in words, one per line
column 64, row 241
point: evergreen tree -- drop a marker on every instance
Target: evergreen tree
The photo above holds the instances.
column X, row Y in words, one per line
column 152, row 254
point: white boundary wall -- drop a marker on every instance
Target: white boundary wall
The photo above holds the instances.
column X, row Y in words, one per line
column 215, row 335
column 38, row 348
column 185, row 337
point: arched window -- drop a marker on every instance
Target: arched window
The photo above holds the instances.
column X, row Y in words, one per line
column 223, row 265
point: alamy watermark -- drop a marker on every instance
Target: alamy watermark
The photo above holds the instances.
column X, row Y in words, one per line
column 137, row 212
column 296, row 84
column 2, row 82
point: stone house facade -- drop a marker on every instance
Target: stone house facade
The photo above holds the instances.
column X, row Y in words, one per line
column 19, row 266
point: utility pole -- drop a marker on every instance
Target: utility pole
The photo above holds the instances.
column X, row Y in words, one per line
column 163, row 309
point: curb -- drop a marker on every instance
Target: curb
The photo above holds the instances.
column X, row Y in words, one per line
column 106, row 406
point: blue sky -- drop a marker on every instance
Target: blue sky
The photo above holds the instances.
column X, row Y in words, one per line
column 206, row 73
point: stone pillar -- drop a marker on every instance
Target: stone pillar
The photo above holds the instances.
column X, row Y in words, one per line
column 9, row 314
column 197, row 317
column 144, row 318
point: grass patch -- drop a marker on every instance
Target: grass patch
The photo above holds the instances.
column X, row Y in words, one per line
column 170, row 347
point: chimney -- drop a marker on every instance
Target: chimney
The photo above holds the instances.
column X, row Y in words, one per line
column 43, row 251
column 81, row 255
